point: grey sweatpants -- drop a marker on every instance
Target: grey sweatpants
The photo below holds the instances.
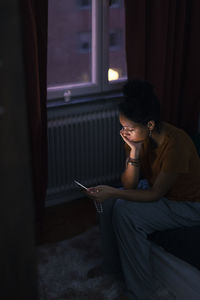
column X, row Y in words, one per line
column 124, row 228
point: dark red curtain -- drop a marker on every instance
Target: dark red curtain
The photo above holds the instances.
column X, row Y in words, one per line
column 34, row 28
column 163, row 46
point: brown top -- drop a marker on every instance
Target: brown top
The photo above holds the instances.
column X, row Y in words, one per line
column 177, row 153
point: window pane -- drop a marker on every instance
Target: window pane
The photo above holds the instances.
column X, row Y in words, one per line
column 69, row 42
column 117, row 61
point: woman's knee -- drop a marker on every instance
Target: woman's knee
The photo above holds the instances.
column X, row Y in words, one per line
column 126, row 211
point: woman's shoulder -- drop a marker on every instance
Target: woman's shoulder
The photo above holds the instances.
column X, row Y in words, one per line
column 178, row 136
column 175, row 132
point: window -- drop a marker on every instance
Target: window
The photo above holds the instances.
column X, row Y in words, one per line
column 84, row 42
column 85, row 47
column 117, row 63
column 116, row 3
column 115, row 40
column 84, row 4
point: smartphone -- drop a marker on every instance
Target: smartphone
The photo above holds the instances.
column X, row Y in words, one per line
column 79, row 184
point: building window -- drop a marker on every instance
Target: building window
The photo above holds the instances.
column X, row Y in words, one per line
column 86, row 52
column 116, row 3
column 84, row 41
column 84, row 4
column 114, row 40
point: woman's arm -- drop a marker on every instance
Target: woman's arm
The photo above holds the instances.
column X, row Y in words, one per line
column 131, row 174
column 160, row 188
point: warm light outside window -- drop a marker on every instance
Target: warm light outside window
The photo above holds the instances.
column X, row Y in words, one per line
column 86, row 52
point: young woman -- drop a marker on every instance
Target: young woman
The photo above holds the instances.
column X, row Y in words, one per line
column 161, row 190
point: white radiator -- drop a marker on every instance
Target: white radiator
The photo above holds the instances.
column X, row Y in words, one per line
column 83, row 144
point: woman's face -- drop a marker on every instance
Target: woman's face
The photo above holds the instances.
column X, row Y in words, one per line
column 135, row 132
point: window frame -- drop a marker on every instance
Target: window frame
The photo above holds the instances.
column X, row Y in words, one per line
column 99, row 61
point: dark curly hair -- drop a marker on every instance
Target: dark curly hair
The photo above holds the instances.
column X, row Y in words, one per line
column 140, row 103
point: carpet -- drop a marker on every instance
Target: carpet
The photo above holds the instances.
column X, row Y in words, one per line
column 63, row 268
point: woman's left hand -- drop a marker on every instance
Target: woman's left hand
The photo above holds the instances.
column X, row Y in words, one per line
column 100, row 193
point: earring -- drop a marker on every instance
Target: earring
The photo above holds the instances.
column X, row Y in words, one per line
column 150, row 133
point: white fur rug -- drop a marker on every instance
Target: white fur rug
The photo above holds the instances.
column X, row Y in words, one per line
column 63, row 268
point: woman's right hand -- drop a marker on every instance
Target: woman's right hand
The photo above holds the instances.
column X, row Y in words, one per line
column 135, row 146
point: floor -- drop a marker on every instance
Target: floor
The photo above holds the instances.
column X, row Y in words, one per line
column 67, row 220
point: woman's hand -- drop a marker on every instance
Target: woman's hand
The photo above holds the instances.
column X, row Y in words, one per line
column 135, row 146
column 101, row 192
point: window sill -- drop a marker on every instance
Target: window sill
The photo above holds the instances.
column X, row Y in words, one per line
column 85, row 99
